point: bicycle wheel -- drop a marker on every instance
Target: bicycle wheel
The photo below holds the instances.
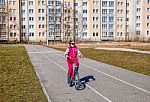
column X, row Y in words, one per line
column 77, row 81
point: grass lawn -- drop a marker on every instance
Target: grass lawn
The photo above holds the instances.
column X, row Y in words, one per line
column 132, row 61
column 18, row 80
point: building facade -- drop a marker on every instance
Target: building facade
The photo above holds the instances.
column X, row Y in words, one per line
column 92, row 20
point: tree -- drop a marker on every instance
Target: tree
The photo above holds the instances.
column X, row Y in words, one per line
column 3, row 21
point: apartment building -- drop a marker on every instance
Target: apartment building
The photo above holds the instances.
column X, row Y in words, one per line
column 54, row 19
column 14, row 18
column 121, row 19
column 108, row 19
column 33, row 20
column 86, row 20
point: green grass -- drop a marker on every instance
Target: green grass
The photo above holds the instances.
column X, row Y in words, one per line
column 128, row 60
column 18, row 80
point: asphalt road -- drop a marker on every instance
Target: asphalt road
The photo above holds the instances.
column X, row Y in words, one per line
column 104, row 83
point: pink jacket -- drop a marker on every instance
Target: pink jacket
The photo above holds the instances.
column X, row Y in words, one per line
column 72, row 52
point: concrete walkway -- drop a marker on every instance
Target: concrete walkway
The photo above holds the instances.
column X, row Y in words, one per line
column 104, row 83
column 124, row 49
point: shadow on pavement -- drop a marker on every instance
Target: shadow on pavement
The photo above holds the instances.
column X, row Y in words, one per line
column 85, row 80
column 88, row 78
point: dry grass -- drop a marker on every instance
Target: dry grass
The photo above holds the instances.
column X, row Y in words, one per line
column 132, row 61
column 18, row 81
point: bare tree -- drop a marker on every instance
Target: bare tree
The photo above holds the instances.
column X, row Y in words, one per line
column 3, row 20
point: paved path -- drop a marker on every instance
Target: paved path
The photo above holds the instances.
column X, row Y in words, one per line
column 124, row 49
column 111, row 84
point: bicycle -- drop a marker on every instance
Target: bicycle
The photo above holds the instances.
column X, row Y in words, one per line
column 75, row 79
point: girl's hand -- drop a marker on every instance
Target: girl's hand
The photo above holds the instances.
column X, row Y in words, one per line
column 81, row 56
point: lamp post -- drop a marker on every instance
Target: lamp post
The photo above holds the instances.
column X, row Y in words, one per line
column 46, row 23
column 74, row 20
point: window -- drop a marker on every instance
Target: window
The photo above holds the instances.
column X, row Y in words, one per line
column 14, row 2
column 84, row 11
column 14, row 34
column 127, row 19
column 84, row 27
column 96, row 33
column 30, row 11
column 75, row 4
column 138, row 9
column 93, row 18
column 104, row 19
column 15, row 26
column 93, row 34
column 11, row 26
column 23, row 19
column 14, row 10
column 84, row 33
column 148, row 1
column 84, row 3
column 84, row 18
column 43, row 26
column 39, row 26
column 147, row 32
column 22, row 3
column 148, row 16
column 23, row 26
column 104, row 34
column 120, row 3
column 111, row 3
column 120, row 33
column 30, row 3
column 138, row 2
column 137, row 32
column 22, row 11
column 138, row 17
column 39, row 33
column 119, row 18
column 11, row 34
column 111, row 26
column 127, row 11
column 31, row 34
column 104, row 11
column 31, row 18
column 95, row 3
column 39, row 2
column 43, row 18
column 40, row 18
column 14, row 18
column 58, row 3
column 43, row 3
column 10, row 2
column 10, row 18
column 148, row 9
column 93, row 25
column 96, row 18
column 43, row 10
column 39, row 10
column 104, row 26
column 137, row 24
column 111, row 34
column 127, row 4
column 120, row 11
column 111, row 11
column 31, row 26
column 43, row 34
column 104, row 3
column 111, row 19
column 95, row 10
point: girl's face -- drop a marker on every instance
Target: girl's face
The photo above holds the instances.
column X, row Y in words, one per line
column 72, row 45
